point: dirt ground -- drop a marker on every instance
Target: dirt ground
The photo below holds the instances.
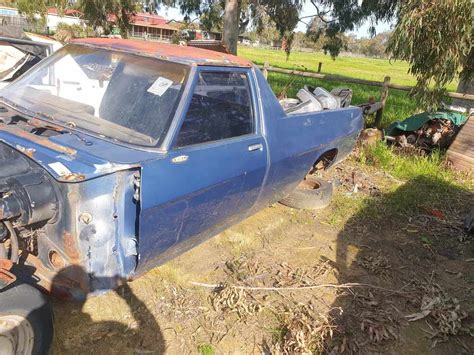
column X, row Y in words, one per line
column 362, row 276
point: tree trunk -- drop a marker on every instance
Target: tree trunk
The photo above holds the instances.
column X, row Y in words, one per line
column 465, row 87
column 230, row 34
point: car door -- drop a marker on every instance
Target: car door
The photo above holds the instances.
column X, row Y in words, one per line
column 213, row 172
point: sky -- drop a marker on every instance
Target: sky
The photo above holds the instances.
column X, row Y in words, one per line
column 308, row 9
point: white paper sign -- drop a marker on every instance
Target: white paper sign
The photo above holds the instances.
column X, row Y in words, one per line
column 160, row 86
column 60, row 168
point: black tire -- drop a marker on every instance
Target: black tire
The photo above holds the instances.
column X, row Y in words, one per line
column 311, row 194
column 28, row 304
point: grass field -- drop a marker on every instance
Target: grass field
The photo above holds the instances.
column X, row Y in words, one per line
column 354, row 67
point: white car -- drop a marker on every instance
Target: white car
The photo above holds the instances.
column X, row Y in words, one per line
column 17, row 55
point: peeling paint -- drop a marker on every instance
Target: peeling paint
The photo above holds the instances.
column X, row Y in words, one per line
column 45, row 142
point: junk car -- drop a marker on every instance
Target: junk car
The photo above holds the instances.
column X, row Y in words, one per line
column 117, row 156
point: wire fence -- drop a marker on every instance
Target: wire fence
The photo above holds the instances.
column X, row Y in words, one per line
column 23, row 24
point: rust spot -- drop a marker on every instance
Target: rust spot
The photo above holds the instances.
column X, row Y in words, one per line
column 56, row 260
column 27, row 151
column 6, row 264
column 42, row 276
column 35, row 122
column 45, row 142
column 73, row 177
column 6, row 277
column 71, row 248
column 167, row 51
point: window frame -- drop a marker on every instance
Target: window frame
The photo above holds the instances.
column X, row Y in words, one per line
column 253, row 103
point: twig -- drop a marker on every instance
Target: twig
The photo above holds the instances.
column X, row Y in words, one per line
column 295, row 288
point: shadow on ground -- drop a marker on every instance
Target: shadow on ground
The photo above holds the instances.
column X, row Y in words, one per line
column 410, row 242
column 138, row 333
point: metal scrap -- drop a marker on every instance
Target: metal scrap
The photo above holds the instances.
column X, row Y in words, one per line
column 434, row 134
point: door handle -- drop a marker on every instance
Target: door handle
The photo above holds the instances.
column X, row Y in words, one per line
column 255, row 147
column 180, row 159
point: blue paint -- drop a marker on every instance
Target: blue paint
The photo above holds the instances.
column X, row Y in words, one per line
column 189, row 194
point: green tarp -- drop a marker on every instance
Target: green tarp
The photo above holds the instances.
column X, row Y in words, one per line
column 415, row 122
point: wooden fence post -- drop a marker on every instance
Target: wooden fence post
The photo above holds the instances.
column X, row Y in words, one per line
column 383, row 99
column 265, row 70
column 320, row 66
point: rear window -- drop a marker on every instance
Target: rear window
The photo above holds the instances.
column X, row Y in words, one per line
column 220, row 108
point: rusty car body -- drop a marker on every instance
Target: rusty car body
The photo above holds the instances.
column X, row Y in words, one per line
column 118, row 155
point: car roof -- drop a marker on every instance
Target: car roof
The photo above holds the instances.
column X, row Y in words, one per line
column 171, row 52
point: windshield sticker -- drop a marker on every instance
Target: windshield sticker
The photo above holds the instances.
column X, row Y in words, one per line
column 60, row 168
column 160, row 86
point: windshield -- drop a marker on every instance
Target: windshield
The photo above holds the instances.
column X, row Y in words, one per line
column 117, row 95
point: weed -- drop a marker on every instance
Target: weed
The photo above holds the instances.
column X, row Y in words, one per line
column 426, row 241
column 343, row 207
column 278, row 334
column 206, row 349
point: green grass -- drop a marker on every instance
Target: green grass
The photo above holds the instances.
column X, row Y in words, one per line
column 399, row 104
column 428, row 183
column 409, row 167
column 424, row 184
column 353, row 67
column 206, row 349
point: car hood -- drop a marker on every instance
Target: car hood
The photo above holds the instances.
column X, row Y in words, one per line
column 75, row 157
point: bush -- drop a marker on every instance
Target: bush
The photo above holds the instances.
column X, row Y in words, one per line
column 65, row 33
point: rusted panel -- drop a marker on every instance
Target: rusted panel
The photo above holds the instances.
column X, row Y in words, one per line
column 45, row 142
column 167, row 51
column 6, row 264
column 42, row 276
column 461, row 151
column 216, row 46
column 71, row 248
column 41, row 124
column 6, row 277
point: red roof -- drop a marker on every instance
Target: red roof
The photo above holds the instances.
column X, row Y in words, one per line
column 171, row 52
column 164, row 26
column 147, row 20
column 152, row 19
column 67, row 12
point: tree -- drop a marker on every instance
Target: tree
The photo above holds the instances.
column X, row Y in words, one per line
column 237, row 14
column 230, row 35
column 435, row 37
column 99, row 13
column 31, row 8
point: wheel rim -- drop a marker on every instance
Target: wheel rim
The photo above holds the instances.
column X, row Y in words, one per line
column 16, row 335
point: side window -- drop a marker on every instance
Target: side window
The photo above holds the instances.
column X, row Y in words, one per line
column 220, row 108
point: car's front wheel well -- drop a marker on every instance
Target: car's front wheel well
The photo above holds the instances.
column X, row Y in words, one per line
column 325, row 160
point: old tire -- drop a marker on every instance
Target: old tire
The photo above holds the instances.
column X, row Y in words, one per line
column 311, row 194
column 26, row 322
